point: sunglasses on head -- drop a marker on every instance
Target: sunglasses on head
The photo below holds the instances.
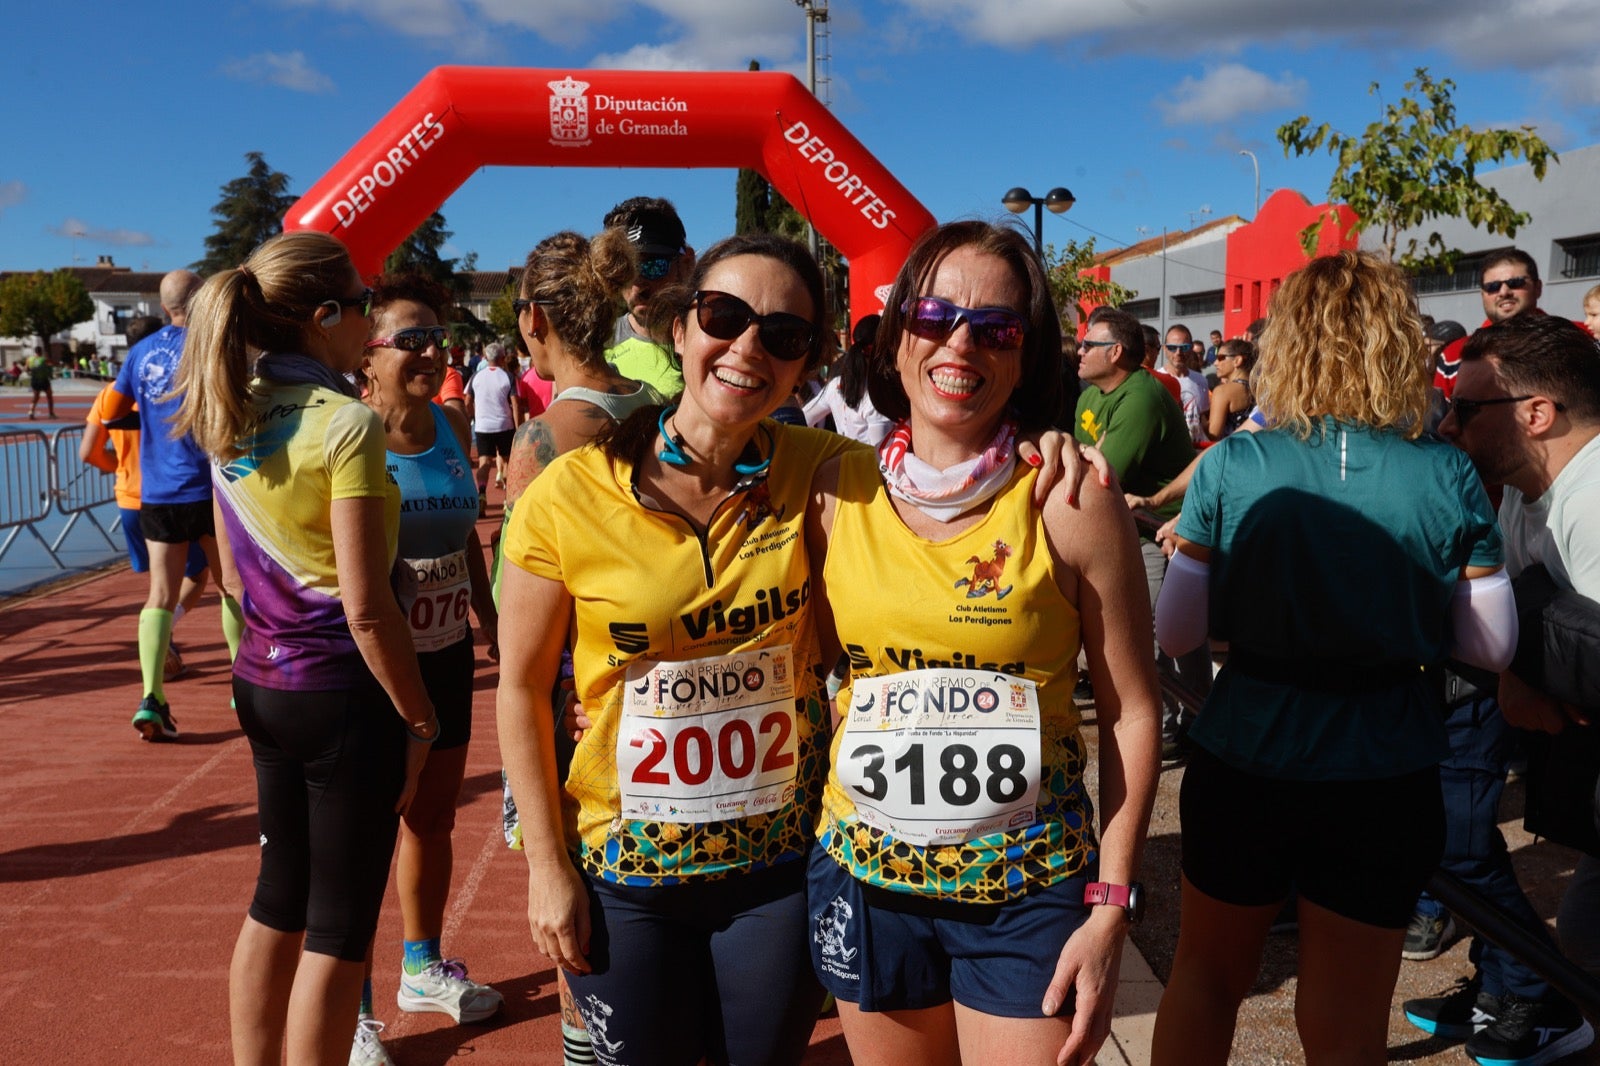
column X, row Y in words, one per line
column 362, row 300
column 655, row 267
column 724, row 316
column 414, row 339
column 1516, row 284
column 934, row 319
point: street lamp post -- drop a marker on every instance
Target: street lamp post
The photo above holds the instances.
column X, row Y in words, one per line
column 1257, row 164
column 1058, row 200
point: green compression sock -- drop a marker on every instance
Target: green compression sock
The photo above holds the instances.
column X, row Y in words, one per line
column 232, row 625
column 155, row 634
column 366, row 998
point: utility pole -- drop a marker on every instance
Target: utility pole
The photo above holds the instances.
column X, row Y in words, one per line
column 816, row 12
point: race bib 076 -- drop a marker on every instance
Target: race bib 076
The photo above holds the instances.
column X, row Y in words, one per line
column 440, row 592
column 708, row 739
column 942, row 756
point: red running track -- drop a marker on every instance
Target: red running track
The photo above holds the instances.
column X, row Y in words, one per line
column 126, row 868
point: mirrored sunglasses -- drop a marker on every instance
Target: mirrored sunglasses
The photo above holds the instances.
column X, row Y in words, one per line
column 934, row 319
column 724, row 316
column 415, row 339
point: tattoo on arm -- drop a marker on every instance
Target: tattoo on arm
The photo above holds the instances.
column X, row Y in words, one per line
column 532, row 449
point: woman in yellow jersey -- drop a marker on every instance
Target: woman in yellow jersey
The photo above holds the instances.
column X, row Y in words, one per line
column 665, row 872
column 954, row 892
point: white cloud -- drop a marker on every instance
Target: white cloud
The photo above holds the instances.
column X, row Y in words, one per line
column 287, row 70
column 716, row 35
column 12, row 193
column 1226, row 91
column 1553, row 39
column 124, row 238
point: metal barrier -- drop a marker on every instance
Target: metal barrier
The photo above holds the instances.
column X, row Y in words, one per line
column 39, row 472
column 78, row 487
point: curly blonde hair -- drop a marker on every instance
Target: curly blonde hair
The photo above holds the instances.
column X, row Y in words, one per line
column 576, row 280
column 1345, row 341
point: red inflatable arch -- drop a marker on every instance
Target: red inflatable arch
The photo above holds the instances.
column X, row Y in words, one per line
column 458, row 119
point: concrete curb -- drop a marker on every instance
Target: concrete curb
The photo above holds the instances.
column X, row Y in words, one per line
column 1134, row 1020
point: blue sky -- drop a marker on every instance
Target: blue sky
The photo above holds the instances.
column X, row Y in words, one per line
column 132, row 116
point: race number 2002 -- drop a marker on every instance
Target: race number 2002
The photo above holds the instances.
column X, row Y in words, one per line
column 708, row 739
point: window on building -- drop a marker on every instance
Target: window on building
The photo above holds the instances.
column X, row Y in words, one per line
column 1190, row 304
column 1463, row 278
column 1238, row 297
column 1580, row 257
column 1142, row 309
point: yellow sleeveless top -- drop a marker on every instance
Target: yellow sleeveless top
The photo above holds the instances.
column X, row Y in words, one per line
column 984, row 602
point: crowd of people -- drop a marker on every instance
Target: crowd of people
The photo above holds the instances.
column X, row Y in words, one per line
column 789, row 713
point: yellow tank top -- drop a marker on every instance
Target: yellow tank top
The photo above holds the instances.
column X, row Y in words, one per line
column 980, row 617
column 696, row 660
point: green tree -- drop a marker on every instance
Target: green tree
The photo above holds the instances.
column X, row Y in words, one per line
column 43, row 305
column 419, row 254
column 502, row 318
column 251, row 211
column 1070, row 286
column 1415, row 164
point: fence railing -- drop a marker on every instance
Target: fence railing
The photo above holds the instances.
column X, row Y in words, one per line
column 40, row 473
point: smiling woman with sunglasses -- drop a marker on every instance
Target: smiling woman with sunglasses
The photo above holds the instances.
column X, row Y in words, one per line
column 326, row 680
column 442, row 571
column 963, row 909
column 665, row 872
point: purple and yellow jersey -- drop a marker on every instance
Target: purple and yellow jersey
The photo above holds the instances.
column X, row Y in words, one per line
column 311, row 446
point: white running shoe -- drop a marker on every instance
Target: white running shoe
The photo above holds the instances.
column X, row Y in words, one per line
column 367, row 1050
column 443, row 987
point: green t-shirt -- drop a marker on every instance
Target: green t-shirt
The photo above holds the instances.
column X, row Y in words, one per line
column 642, row 359
column 38, row 370
column 1333, row 558
column 1140, row 428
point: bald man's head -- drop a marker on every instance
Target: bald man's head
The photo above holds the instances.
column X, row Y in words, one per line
column 176, row 289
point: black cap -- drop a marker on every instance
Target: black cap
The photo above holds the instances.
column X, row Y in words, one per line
column 1446, row 331
column 657, row 234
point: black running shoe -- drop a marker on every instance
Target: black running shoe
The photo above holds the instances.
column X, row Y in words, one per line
column 1531, row 1032
column 1464, row 1010
column 154, row 720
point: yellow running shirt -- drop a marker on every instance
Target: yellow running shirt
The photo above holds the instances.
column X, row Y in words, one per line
column 695, row 660
column 957, row 768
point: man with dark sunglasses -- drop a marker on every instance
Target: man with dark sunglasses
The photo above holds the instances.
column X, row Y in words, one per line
column 1526, row 409
column 657, row 234
column 1510, row 286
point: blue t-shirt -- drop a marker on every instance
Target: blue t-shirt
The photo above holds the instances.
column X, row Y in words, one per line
column 172, row 471
column 1333, row 561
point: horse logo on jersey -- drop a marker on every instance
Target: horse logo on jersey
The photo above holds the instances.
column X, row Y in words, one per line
column 758, row 507
column 596, row 1016
column 985, row 576
column 831, row 926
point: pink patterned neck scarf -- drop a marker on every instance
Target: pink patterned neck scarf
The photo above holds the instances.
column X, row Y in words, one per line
column 945, row 494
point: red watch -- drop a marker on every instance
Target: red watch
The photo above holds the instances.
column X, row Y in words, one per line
column 1129, row 897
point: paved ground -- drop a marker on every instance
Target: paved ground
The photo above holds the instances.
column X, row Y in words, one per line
column 125, row 869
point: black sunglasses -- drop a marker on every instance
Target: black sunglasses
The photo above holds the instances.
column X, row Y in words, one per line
column 1516, row 284
column 363, row 301
column 414, row 339
column 1465, row 409
column 931, row 318
column 724, row 316
column 1086, row 343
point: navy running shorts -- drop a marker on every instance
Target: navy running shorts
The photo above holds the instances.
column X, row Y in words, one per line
column 177, row 523
column 888, row 951
column 712, row 970
column 1361, row 849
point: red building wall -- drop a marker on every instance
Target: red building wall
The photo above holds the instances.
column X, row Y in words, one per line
column 1263, row 253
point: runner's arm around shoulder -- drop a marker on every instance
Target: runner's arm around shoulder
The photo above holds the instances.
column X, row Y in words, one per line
column 819, row 527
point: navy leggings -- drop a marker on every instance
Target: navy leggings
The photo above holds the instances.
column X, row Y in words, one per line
column 329, row 768
column 718, row 971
